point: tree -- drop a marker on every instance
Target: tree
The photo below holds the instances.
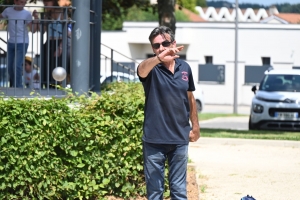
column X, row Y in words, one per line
column 114, row 11
column 201, row 3
column 188, row 4
column 5, row 2
column 166, row 13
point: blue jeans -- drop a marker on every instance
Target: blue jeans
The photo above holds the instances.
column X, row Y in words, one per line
column 16, row 56
column 155, row 156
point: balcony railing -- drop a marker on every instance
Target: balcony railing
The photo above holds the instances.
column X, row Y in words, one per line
column 51, row 47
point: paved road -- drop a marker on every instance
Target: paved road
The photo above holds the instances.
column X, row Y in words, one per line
column 234, row 123
column 212, row 108
column 237, row 123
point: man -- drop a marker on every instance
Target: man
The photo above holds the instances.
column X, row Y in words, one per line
column 19, row 20
column 169, row 104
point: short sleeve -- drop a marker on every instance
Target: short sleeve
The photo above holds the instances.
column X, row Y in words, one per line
column 4, row 13
column 28, row 18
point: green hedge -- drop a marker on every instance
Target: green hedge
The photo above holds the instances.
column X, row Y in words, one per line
column 73, row 148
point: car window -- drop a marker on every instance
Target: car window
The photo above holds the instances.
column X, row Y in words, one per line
column 108, row 79
column 280, row 82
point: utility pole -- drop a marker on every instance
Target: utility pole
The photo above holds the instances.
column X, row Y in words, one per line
column 97, row 7
column 80, row 47
column 235, row 99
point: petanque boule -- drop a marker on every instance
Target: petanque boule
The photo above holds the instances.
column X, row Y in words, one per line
column 59, row 73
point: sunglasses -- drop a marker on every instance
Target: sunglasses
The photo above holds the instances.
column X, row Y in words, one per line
column 164, row 44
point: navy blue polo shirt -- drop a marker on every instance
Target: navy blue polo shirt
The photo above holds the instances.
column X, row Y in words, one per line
column 167, row 109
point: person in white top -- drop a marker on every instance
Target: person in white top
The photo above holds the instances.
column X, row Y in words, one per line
column 31, row 76
column 20, row 21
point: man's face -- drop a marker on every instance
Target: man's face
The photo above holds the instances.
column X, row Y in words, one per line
column 48, row 3
column 20, row 4
column 162, row 42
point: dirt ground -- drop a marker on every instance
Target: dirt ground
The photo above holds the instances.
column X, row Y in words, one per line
column 230, row 169
column 192, row 187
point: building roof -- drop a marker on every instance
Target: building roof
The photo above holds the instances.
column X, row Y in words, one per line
column 231, row 10
column 292, row 18
column 228, row 15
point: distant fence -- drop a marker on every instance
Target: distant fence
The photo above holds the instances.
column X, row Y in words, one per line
column 51, row 47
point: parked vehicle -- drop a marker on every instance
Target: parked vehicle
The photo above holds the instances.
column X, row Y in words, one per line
column 199, row 97
column 3, row 76
column 116, row 76
column 276, row 104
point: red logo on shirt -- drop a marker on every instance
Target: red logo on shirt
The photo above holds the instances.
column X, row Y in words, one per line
column 185, row 76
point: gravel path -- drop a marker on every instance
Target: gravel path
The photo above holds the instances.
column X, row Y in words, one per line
column 229, row 169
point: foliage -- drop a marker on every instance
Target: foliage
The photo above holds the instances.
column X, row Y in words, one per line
column 288, row 8
column 201, row 3
column 181, row 17
column 74, row 147
column 188, row 4
column 5, row 2
column 135, row 14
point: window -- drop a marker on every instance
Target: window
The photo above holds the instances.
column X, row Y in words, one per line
column 181, row 56
column 266, row 60
column 208, row 59
column 211, row 73
column 254, row 74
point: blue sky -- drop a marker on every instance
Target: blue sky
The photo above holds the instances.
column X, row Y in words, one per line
column 267, row 2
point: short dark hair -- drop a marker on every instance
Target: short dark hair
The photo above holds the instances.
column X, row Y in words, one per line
column 55, row 2
column 161, row 30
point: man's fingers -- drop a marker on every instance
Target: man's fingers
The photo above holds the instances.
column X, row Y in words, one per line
column 180, row 47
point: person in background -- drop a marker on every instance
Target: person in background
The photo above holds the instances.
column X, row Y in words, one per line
column 31, row 76
column 53, row 47
column 169, row 105
column 19, row 21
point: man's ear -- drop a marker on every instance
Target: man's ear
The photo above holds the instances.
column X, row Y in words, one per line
column 174, row 43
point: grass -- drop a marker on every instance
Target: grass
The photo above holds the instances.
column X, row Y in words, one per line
column 207, row 116
column 244, row 134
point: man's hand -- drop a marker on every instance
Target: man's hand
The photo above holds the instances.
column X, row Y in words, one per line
column 170, row 54
column 35, row 14
column 194, row 135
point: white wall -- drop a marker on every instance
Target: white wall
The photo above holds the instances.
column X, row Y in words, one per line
column 280, row 42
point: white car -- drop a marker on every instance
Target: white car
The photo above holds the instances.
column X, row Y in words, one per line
column 199, row 97
column 117, row 76
column 276, row 104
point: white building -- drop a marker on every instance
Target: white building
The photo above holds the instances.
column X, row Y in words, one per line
column 277, row 45
column 209, row 48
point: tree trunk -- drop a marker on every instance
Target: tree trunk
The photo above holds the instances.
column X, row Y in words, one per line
column 166, row 13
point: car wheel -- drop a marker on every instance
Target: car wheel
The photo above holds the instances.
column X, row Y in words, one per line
column 199, row 106
column 250, row 125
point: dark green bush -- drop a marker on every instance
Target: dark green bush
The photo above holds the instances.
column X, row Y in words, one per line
column 73, row 148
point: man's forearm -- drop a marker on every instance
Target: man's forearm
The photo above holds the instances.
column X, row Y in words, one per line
column 194, row 115
column 147, row 65
column 193, row 111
